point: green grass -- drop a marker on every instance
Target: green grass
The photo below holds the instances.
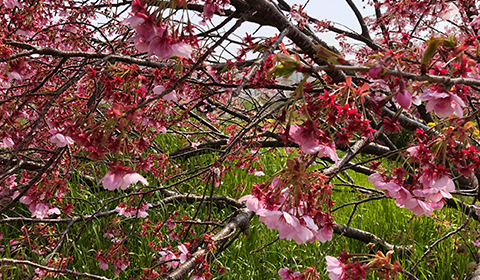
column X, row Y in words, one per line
column 245, row 259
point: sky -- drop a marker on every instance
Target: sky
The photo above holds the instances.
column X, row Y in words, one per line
column 336, row 11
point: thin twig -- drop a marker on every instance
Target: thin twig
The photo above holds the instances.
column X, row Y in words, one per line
column 54, row 270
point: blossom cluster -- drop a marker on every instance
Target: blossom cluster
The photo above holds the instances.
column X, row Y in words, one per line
column 293, row 205
column 342, row 268
column 422, row 197
column 313, row 141
column 130, row 211
column 117, row 255
column 153, row 35
column 288, row 274
column 172, row 259
column 443, row 104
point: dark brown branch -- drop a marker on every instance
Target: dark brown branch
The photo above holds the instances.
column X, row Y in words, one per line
column 378, row 15
column 396, row 73
column 360, row 20
column 220, row 201
column 366, row 237
column 89, row 55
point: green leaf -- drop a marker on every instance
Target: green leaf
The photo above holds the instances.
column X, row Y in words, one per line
column 433, row 44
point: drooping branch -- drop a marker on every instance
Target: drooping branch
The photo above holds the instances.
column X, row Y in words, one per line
column 358, row 15
column 366, row 237
column 73, row 54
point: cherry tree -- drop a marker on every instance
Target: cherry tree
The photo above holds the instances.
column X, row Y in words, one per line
column 117, row 115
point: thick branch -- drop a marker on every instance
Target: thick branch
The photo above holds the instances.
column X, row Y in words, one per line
column 360, row 20
column 277, row 19
column 240, row 222
column 366, row 237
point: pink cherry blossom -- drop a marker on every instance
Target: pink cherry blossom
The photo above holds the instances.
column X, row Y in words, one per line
column 132, row 178
column 161, row 47
column 7, row 142
column 404, row 96
column 288, row 226
column 375, row 70
column 286, row 274
column 195, row 145
column 435, row 189
column 475, row 21
column 167, row 256
column 443, row 104
column 449, row 13
column 404, row 198
column 253, row 203
column 103, row 265
column 184, row 253
column 144, row 26
column 119, row 266
column 476, row 243
column 307, row 137
column 40, row 272
column 209, row 9
column 292, row 224
column 417, row 206
column 59, row 139
column 196, row 277
column 130, row 211
column 335, row 269
column 182, row 49
column 172, row 96
column 324, row 234
column 153, row 36
column 42, row 210
column 391, row 188
column 413, row 151
column 114, row 180
column 11, row 4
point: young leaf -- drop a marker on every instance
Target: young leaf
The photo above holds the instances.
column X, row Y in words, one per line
column 433, row 44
